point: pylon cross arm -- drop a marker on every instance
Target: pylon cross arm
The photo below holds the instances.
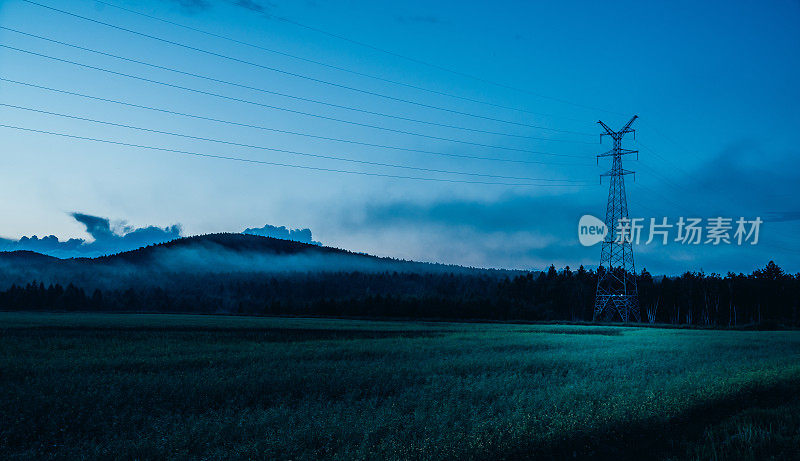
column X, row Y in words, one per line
column 609, row 131
column 613, row 152
column 621, row 172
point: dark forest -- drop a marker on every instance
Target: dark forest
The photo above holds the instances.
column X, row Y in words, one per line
column 765, row 297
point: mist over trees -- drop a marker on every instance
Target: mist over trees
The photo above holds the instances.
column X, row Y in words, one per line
column 766, row 297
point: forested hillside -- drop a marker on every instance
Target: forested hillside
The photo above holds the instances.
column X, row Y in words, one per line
column 257, row 275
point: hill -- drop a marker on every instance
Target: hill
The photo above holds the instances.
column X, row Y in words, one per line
column 241, row 244
column 222, row 253
column 235, row 273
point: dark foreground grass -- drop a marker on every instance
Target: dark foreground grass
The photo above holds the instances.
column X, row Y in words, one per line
column 155, row 386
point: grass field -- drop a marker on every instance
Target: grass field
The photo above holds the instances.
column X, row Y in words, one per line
column 154, row 386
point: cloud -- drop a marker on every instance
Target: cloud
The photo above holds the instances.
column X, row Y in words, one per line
column 742, row 178
column 253, row 5
column 193, row 6
column 507, row 213
column 105, row 240
column 519, row 231
column 99, row 228
column 109, row 240
column 514, row 231
column 297, row 235
column 783, row 216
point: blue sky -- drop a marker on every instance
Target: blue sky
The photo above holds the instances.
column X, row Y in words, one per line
column 713, row 82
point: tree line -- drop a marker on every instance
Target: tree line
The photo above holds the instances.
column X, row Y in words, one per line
column 768, row 296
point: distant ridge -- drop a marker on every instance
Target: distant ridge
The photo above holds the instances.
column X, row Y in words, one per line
column 25, row 256
column 229, row 242
column 213, row 253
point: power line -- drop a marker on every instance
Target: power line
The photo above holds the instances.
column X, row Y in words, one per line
column 251, row 146
column 640, row 205
column 438, row 67
column 300, row 98
column 765, row 243
column 294, row 133
column 665, row 179
column 677, row 206
column 246, row 101
column 332, row 66
column 665, row 198
column 250, row 63
column 264, row 162
column 677, row 188
column 665, row 159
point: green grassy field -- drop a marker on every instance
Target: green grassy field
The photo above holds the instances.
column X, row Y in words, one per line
column 154, row 386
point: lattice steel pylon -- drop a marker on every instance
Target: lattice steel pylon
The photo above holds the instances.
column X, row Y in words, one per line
column 617, row 293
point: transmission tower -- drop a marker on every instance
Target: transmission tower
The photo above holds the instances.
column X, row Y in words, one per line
column 616, row 277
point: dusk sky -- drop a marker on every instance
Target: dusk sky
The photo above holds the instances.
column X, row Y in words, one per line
column 520, row 85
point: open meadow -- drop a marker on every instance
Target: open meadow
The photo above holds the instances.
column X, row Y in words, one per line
column 154, row 386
